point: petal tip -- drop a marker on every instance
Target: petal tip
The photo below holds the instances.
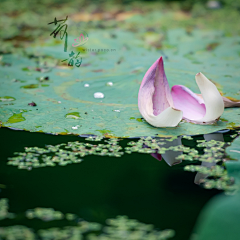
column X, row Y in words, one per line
column 160, row 60
column 176, row 109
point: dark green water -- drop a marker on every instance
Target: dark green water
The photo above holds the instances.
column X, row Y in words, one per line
column 136, row 185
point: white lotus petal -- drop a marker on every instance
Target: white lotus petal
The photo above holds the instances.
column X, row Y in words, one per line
column 212, row 99
column 170, row 117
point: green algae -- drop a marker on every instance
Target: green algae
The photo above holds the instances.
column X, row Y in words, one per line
column 30, row 86
column 104, row 131
column 231, row 125
column 223, row 119
column 26, row 69
column 15, row 118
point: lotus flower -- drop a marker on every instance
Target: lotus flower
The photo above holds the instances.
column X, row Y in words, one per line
column 164, row 108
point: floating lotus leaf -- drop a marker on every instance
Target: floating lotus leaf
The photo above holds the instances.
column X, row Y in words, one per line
column 222, row 205
column 234, row 150
column 117, row 114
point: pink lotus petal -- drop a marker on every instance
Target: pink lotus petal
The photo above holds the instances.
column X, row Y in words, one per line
column 188, row 102
column 155, row 102
column 162, row 108
column 156, row 77
column 157, row 156
column 229, row 103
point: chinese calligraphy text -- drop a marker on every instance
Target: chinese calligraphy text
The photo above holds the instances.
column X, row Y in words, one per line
column 59, row 29
column 71, row 59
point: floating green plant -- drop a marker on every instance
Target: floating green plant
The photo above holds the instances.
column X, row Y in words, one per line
column 95, row 138
column 63, row 154
column 120, row 227
column 220, row 179
column 4, row 209
column 207, row 152
column 45, row 214
column 16, row 232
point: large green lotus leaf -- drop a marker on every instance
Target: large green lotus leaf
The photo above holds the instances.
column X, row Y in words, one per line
column 219, row 219
column 234, row 150
column 184, row 55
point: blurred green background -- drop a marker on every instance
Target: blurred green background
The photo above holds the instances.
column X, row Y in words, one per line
column 23, row 23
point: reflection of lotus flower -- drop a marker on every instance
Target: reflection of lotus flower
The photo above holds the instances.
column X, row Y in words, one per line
column 170, row 156
column 217, row 136
column 162, row 108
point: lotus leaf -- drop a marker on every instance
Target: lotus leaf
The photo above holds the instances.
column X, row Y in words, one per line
column 117, row 114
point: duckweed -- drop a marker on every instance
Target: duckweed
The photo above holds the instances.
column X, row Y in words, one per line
column 45, row 214
column 217, row 175
column 73, row 152
column 120, row 227
column 4, row 209
column 63, row 154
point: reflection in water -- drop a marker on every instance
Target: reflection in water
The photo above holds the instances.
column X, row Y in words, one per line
column 111, row 194
column 208, row 137
column 170, row 156
column 173, row 152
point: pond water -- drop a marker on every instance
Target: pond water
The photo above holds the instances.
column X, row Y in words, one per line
column 101, row 187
